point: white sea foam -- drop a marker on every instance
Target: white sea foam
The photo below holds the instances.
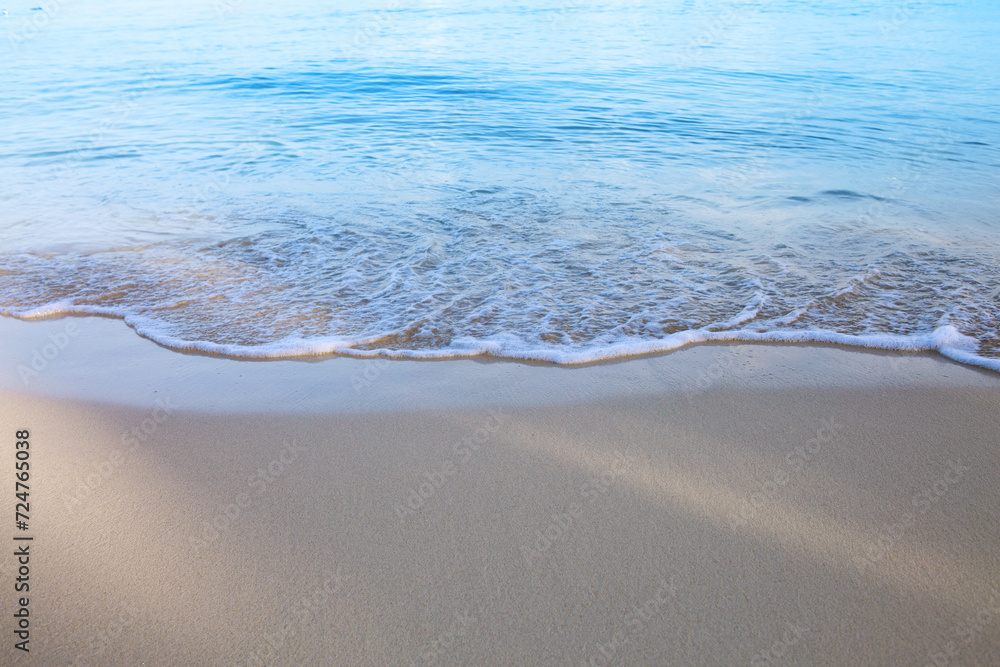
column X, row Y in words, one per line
column 608, row 202
column 946, row 340
column 390, row 293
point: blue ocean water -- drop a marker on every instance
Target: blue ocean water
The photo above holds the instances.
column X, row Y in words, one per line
column 565, row 180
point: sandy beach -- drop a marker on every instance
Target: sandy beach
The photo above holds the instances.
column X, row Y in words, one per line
column 721, row 505
column 480, row 333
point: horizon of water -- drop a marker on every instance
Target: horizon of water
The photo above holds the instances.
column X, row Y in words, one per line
column 565, row 181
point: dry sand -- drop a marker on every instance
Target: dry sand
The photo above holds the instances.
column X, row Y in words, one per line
column 721, row 505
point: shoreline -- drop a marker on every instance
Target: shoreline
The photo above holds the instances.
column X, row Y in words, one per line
column 946, row 340
column 56, row 358
column 723, row 504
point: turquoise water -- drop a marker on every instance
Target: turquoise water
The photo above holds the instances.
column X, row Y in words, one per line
column 561, row 180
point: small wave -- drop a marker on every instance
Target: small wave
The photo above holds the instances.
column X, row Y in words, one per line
column 514, row 277
column 946, row 340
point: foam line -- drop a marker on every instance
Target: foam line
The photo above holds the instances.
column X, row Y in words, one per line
column 946, row 340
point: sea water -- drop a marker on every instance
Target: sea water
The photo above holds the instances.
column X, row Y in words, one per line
column 563, row 180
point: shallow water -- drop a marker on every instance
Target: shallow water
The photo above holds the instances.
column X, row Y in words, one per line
column 559, row 180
